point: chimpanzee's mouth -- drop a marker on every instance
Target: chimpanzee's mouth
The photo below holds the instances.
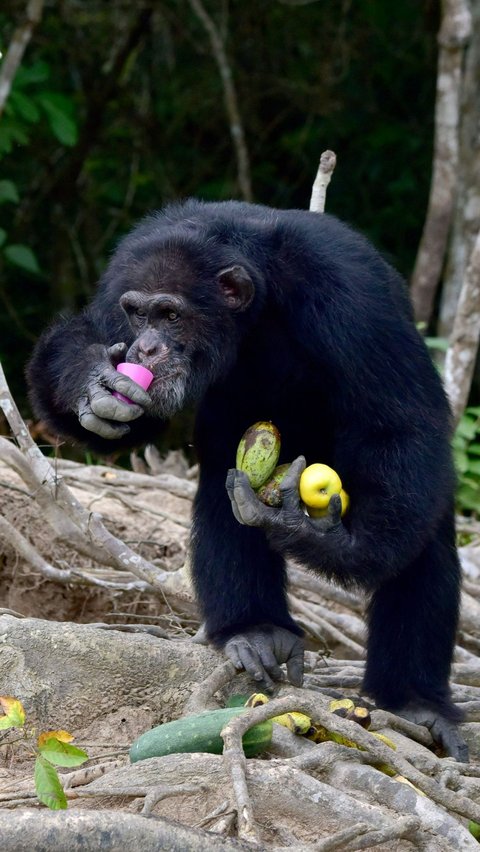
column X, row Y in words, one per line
column 167, row 377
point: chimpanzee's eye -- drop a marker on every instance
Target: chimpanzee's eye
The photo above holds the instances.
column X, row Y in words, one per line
column 172, row 316
column 140, row 314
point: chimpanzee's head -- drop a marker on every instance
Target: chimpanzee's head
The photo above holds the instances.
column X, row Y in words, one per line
column 187, row 303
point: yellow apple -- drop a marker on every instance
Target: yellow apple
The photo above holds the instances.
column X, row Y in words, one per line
column 317, row 484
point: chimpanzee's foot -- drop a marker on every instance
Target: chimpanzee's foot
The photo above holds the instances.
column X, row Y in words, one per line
column 443, row 730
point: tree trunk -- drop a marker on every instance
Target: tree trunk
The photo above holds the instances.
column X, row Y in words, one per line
column 454, row 34
column 462, row 352
column 466, row 221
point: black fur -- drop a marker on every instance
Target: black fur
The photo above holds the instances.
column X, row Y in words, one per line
column 329, row 352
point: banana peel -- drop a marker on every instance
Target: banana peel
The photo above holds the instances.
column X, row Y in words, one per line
column 302, row 725
column 341, row 707
column 257, row 699
column 297, row 723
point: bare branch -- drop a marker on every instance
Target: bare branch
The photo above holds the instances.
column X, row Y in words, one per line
column 16, row 49
column 328, row 161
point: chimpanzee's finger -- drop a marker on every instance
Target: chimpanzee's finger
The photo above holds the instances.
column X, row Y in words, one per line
column 295, row 665
column 253, row 665
column 249, row 508
column 447, row 734
column 123, row 384
column 239, row 651
column 117, row 353
column 289, row 484
column 231, row 651
column 101, row 427
column 229, row 486
column 335, row 510
column 106, row 406
column 269, row 661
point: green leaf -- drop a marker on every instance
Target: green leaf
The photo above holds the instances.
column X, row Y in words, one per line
column 473, row 466
column 467, row 427
column 471, row 483
column 8, row 192
column 475, row 410
column 474, row 449
column 25, row 106
column 14, row 712
column 59, row 113
column 62, row 754
column 461, row 461
column 23, row 257
column 47, row 785
column 3, row 236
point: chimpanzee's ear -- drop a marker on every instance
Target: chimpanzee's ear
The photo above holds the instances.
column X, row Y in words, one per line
column 237, row 287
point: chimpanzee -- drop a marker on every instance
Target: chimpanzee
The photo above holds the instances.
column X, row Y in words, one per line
column 289, row 316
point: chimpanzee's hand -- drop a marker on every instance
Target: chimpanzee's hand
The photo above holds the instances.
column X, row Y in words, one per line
column 97, row 409
column 443, row 731
column 290, row 519
column 262, row 649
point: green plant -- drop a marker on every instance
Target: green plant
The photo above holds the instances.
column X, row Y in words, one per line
column 466, row 449
column 51, row 749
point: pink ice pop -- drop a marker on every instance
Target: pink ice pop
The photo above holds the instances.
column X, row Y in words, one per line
column 140, row 375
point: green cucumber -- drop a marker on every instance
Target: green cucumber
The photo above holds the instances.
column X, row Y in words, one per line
column 199, row 733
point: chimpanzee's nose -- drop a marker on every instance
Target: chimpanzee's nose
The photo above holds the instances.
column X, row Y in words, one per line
column 149, row 344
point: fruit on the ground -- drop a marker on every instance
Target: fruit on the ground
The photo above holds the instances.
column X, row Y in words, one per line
column 199, row 733
column 341, row 707
column 258, row 452
column 321, row 734
column 269, row 493
column 297, row 723
column 361, row 715
column 256, row 699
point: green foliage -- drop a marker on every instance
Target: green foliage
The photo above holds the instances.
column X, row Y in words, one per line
column 52, row 748
column 466, row 448
column 30, row 104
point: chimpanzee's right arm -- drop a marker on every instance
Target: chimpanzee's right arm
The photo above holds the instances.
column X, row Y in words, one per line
column 71, row 376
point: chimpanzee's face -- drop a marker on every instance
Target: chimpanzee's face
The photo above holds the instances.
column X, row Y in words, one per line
column 185, row 334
